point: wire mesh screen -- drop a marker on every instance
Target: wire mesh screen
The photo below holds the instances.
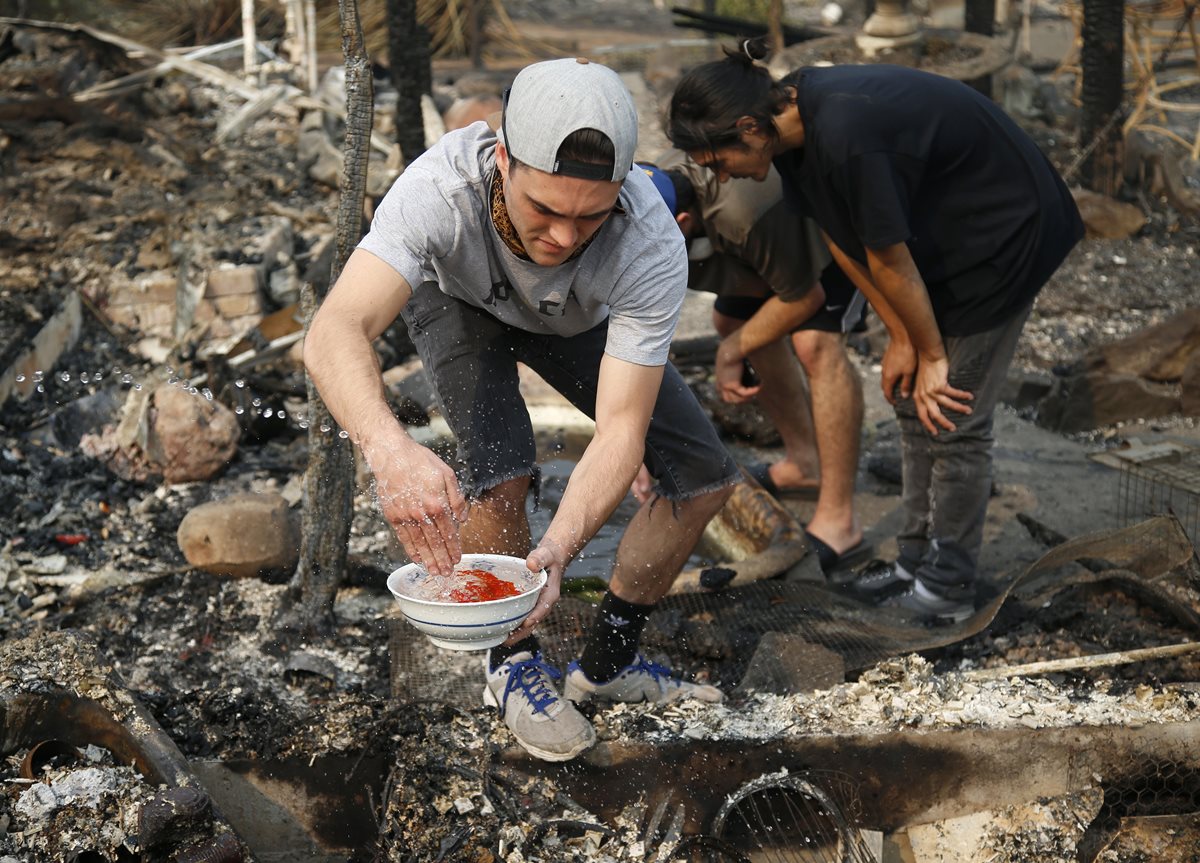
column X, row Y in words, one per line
column 807, row 817
column 1161, row 480
column 1156, row 788
column 734, row 635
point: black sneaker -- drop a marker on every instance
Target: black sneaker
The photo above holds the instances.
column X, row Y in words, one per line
column 931, row 606
column 879, row 580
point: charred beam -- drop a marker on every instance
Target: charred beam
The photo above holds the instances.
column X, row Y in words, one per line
column 329, row 480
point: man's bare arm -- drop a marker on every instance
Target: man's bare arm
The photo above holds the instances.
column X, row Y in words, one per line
column 418, row 493
column 625, row 399
column 861, row 277
column 774, row 320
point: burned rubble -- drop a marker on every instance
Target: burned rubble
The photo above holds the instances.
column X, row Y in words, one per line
column 181, row 246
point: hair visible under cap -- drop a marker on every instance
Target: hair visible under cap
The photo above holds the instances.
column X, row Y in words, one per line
column 711, row 98
column 583, row 145
column 587, row 145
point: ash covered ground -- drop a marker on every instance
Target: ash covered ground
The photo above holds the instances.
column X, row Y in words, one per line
column 140, row 185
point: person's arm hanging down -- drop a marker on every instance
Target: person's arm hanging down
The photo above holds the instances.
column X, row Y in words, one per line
column 915, row 358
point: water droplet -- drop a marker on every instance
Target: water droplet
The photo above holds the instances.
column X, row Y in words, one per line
column 116, row 370
column 256, row 402
column 41, row 388
column 193, row 391
column 137, row 386
column 99, row 376
column 37, row 376
column 170, row 371
column 343, row 434
column 20, row 379
column 239, row 410
column 172, row 381
column 84, row 377
column 268, row 413
column 303, row 424
column 207, row 393
column 325, row 429
column 281, row 415
column 127, row 379
column 64, row 376
column 239, row 384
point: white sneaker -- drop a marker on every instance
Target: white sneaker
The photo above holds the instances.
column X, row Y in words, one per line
column 642, row 680
column 543, row 723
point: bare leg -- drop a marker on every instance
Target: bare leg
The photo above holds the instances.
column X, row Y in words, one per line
column 784, row 398
column 837, row 406
column 497, row 523
column 657, row 543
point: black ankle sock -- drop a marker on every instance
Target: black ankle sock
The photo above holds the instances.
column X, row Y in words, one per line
column 499, row 655
column 614, row 640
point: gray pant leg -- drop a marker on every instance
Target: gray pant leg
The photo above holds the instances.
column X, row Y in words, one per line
column 948, row 477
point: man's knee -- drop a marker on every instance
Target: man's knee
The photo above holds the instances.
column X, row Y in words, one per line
column 507, row 495
column 713, row 501
column 818, row 350
column 724, row 324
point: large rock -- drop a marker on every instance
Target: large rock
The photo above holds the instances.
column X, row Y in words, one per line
column 1094, row 397
column 1160, row 352
column 190, row 438
column 1105, row 218
column 243, row 536
column 1151, row 373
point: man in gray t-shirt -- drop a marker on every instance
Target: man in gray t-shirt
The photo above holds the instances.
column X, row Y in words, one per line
column 537, row 245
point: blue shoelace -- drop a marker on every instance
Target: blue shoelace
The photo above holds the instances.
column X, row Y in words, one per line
column 657, row 672
column 527, row 676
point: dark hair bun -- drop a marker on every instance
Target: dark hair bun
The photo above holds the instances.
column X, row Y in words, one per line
column 751, row 50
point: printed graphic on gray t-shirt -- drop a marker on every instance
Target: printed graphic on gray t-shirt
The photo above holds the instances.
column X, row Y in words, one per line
column 435, row 224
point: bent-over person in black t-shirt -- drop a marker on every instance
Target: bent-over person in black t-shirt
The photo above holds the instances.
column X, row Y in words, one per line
column 950, row 220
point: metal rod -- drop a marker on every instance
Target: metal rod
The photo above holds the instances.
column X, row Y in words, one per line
column 1101, row 660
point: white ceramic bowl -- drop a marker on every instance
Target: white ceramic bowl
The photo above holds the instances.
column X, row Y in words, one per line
column 468, row 625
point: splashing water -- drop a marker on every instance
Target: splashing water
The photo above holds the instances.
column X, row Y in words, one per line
column 44, row 383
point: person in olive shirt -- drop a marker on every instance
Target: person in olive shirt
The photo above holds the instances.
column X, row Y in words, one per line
column 779, row 299
column 948, row 217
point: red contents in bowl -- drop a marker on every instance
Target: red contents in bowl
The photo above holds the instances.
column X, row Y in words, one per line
column 479, row 585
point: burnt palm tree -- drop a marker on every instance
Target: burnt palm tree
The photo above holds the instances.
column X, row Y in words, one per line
column 1102, row 59
column 408, row 59
column 329, row 480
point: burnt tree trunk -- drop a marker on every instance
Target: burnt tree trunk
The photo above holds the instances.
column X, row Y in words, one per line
column 329, row 480
column 408, row 57
column 477, row 15
column 980, row 17
column 775, row 27
column 1102, row 61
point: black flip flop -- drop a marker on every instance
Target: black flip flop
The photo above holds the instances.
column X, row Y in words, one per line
column 761, row 473
column 831, row 561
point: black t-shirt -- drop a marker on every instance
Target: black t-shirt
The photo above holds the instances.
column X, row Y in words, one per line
column 893, row 155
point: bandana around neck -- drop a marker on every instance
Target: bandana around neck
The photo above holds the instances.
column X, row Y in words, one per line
column 504, row 225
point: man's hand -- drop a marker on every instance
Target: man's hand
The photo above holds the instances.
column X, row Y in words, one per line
column 553, row 558
column 728, row 370
column 934, row 393
column 643, row 485
column 420, row 498
column 899, row 368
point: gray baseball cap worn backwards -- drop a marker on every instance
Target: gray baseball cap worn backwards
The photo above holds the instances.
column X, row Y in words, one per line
column 548, row 101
